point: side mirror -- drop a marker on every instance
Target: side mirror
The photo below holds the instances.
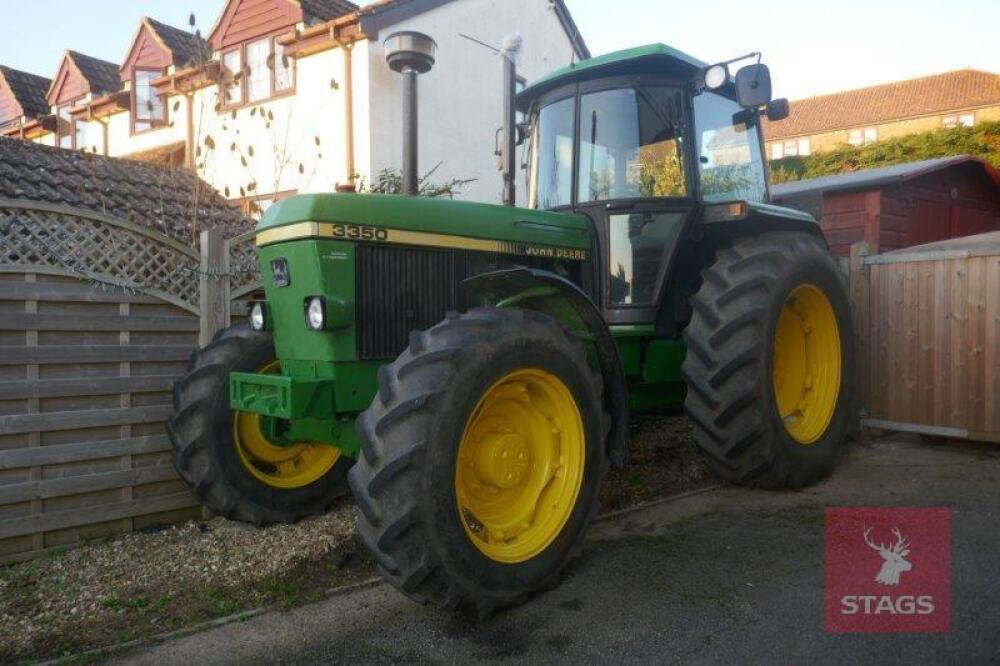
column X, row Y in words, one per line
column 777, row 109
column 753, row 86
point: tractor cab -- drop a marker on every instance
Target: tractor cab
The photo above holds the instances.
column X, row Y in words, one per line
column 646, row 143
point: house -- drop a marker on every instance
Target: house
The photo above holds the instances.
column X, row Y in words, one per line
column 902, row 205
column 22, row 100
column 294, row 96
column 80, row 80
column 859, row 117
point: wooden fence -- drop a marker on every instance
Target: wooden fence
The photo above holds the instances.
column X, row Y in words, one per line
column 928, row 338
column 97, row 319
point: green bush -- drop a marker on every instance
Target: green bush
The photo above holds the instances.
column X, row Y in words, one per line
column 982, row 141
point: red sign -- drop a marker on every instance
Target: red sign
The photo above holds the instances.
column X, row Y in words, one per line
column 888, row 570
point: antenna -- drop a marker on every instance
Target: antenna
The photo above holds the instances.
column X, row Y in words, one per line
column 495, row 50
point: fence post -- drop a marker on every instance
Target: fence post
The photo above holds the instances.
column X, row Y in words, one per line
column 860, row 289
column 213, row 298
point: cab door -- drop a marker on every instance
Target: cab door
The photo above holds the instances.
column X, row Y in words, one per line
column 633, row 182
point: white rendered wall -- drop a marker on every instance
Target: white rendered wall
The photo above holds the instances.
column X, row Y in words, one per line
column 289, row 143
column 461, row 98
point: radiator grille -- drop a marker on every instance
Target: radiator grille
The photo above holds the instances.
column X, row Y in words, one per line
column 400, row 290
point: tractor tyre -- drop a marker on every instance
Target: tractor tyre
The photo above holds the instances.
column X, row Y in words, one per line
column 482, row 459
column 223, row 455
column 770, row 361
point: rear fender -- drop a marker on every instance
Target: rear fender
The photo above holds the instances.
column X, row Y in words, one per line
column 545, row 291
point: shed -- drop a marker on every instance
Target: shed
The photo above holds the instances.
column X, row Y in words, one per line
column 902, row 205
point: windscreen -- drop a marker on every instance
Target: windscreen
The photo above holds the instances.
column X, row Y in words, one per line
column 630, row 146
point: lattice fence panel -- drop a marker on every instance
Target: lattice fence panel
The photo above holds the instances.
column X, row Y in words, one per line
column 244, row 269
column 98, row 249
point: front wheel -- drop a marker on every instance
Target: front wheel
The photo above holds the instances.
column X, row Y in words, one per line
column 482, row 457
column 225, row 456
column 770, row 363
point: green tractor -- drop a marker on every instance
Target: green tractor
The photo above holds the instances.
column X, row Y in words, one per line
column 468, row 370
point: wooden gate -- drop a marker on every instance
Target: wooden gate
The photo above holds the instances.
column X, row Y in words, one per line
column 928, row 325
column 97, row 318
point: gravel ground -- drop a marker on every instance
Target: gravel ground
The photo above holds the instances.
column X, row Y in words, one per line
column 146, row 583
column 143, row 584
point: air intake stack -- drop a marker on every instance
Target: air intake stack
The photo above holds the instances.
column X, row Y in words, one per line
column 410, row 54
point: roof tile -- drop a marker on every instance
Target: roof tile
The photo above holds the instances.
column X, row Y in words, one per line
column 29, row 90
column 100, row 74
column 187, row 48
column 170, row 200
column 961, row 89
column 315, row 11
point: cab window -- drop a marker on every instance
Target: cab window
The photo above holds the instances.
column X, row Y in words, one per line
column 640, row 247
column 551, row 179
column 630, row 144
column 730, row 166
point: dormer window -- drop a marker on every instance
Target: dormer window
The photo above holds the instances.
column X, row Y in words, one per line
column 71, row 133
column 256, row 72
column 148, row 110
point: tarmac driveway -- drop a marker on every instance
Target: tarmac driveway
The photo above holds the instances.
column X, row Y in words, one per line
column 729, row 575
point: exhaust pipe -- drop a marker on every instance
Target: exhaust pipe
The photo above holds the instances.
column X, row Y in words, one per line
column 508, row 56
column 410, row 54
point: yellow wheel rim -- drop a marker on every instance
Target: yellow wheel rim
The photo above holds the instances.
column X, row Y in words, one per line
column 807, row 359
column 285, row 467
column 520, row 465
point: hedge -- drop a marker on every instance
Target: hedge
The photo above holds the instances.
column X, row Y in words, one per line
column 983, row 141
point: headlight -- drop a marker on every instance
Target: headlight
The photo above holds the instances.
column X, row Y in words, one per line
column 316, row 313
column 257, row 321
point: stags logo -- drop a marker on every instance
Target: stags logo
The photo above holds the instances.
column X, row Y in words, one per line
column 899, row 585
column 894, row 563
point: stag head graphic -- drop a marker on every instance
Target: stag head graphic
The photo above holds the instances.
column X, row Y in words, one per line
column 894, row 557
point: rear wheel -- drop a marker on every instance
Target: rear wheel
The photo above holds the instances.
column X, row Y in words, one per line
column 225, row 456
column 770, row 364
column 482, row 457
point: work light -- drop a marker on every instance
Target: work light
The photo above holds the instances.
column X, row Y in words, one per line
column 257, row 321
column 715, row 76
column 316, row 313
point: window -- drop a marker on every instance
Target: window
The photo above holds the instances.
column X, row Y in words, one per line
column 64, row 127
column 268, row 72
column 70, row 133
column 862, row 137
column 790, row 148
column 630, row 145
column 282, row 69
column 730, row 159
column 232, row 85
column 258, row 74
column 148, row 110
column 551, row 180
column 965, row 120
column 80, row 137
column 640, row 248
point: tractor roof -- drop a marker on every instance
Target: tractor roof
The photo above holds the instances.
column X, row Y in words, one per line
column 649, row 58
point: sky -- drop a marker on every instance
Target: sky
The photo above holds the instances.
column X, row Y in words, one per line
column 811, row 47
